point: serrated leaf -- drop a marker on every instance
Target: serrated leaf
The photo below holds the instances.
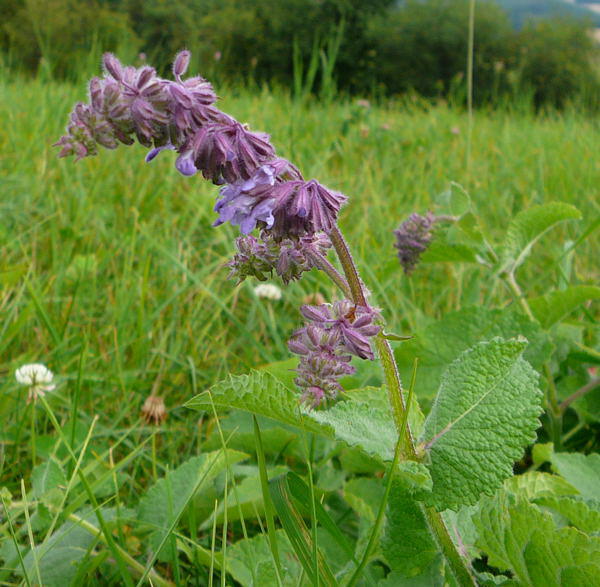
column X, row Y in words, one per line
column 581, row 471
column 443, row 341
column 259, row 393
column 364, row 424
column 358, row 424
column 250, row 562
column 576, row 511
column 406, row 542
column 485, row 414
column 162, row 505
column 529, row 225
column 554, row 306
column 534, row 484
column 517, row 536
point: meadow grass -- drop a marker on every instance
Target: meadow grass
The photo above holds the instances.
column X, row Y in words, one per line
column 113, row 276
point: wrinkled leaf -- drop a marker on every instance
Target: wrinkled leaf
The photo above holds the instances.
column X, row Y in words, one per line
column 485, row 414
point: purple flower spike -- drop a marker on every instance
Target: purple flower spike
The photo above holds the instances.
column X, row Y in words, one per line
column 305, row 207
column 325, row 346
column 248, row 202
column 412, row 239
column 353, row 324
column 288, row 258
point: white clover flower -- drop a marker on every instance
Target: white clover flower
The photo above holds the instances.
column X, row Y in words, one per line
column 268, row 291
column 37, row 377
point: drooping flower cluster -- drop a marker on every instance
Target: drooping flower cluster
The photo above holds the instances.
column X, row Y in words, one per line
column 413, row 237
column 326, row 344
column 288, row 258
column 263, row 190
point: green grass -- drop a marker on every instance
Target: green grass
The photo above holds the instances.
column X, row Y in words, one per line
column 111, row 265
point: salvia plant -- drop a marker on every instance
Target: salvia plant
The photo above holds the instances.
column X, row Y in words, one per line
column 447, row 509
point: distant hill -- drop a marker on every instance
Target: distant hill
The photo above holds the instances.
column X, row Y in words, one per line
column 520, row 11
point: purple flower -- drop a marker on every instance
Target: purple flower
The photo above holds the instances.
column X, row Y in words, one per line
column 321, row 364
column 277, row 196
column 246, row 202
column 305, row 207
column 412, row 239
column 353, row 324
column 326, row 345
column 288, row 258
column 227, row 150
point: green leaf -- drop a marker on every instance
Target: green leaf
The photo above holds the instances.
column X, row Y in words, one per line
column 363, row 420
column 407, row 542
column 60, row 557
column 517, row 536
column 581, row 471
column 250, row 562
column 360, row 424
column 163, row 504
column 554, row 306
column 246, row 497
column 442, row 251
column 529, row 225
column 579, row 513
column 485, row 414
column 47, row 477
column 414, row 476
column 534, row 484
column 259, row 393
column 364, row 495
column 443, row 341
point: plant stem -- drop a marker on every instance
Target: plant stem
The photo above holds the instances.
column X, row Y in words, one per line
column 324, row 265
column 343, row 253
column 553, row 409
column 589, row 386
column 459, row 566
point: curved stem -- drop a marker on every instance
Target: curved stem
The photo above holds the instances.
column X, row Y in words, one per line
column 590, row 386
column 343, row 253
column 324, row 265
column 460, row 567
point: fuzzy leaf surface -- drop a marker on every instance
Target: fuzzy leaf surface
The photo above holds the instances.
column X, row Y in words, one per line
column 441, row 342
column 406, row 542
column 250, row 561
column 581, row 514
column 363, row 420
column 554, row 306
column 517, row 536
column 484, row 416
column 165, row 501
column 529, row 225
column 581, row 471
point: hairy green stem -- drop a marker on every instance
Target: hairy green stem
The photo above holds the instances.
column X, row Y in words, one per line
column 324, row 265
column 457, row 563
